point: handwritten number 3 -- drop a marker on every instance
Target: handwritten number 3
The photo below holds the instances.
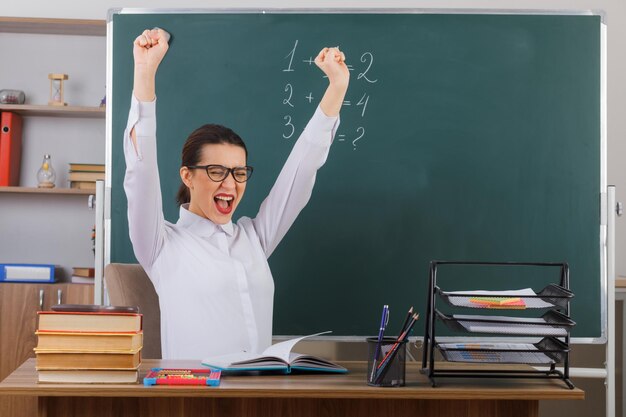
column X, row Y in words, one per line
column 293, row 129
column 364, row 59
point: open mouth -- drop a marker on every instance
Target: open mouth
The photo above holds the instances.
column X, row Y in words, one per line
column 224, row 203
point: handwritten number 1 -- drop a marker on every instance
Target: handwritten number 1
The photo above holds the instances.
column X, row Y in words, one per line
column 292, row 53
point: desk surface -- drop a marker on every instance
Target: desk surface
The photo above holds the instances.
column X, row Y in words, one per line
column 23, row 381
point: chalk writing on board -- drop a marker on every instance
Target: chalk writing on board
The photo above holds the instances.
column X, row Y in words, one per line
column 292, row 53
column 364, row 59
column 289, row 124
column 363, row 103
column 361, row 131
column 288, row 89
column 295, row 94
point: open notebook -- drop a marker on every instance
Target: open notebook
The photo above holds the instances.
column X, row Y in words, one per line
column 277, row 357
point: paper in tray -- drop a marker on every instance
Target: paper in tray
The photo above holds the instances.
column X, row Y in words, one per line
column 547, row 351
column 551, row 323
column 550, row 297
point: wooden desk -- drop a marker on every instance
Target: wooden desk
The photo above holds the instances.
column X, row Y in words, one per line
column 290, row 395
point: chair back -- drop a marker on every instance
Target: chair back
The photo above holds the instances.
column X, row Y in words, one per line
column 129, row 285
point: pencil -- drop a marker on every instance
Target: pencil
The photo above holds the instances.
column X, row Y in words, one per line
column 383, row 366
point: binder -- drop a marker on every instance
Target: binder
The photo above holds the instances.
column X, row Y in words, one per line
column 26, row 273
column 10, row 148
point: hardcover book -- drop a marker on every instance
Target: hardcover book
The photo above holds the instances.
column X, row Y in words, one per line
column 58, row 359
column 96, row 322
column 88, row 376
column 94, row 342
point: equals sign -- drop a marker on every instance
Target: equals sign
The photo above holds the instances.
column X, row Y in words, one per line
column 350, row 67
column 346, row 103
column 341, row 138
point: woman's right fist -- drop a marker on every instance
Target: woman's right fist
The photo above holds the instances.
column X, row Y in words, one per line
column 150, row 47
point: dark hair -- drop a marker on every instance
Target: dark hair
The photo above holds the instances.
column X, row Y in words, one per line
column 210, row 134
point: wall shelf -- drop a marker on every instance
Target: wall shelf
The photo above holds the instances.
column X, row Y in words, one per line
column 55, row 111
column 53, row 26
column 34, row 190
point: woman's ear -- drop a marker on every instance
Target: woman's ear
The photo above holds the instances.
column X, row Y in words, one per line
column 185, row 176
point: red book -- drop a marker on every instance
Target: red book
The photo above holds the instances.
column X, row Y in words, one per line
column 10, row 148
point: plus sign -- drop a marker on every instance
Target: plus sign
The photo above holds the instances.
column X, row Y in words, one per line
column 310, row 60
column 309, row 97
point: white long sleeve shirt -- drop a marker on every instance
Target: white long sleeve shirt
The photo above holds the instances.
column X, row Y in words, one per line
column 215, row 286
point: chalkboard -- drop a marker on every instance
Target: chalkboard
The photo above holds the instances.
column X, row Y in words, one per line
column 462, row 137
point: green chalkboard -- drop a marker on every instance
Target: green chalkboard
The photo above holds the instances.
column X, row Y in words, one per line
column 463, row 137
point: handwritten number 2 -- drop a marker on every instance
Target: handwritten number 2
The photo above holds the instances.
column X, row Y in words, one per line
column 364, row 59
column 288, row 89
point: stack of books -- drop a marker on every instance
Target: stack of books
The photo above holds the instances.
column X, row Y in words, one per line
column 89, row 344
column 83, row 275
column 84, row 176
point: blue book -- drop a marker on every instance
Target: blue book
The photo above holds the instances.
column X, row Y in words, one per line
column 26, row 273
column 277, row 357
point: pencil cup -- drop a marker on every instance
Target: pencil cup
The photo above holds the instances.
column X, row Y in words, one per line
column 386, row 362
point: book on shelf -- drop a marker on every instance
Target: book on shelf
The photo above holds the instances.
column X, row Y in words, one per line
column 85, row 176
column 27, row 273
column 95, row 322
column 83, row 185
column 83, row 275
column 82, row 280
column 80, row 167
column 69, row 359
column 93, row 342
column 87, row 376
column 278, row 357
column 84, row 272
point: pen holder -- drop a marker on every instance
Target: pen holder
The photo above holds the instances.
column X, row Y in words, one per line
column 386, row 362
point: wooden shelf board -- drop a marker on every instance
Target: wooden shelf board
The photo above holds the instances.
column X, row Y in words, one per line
column 55, row 111
column 53, row 26
column 33, row 190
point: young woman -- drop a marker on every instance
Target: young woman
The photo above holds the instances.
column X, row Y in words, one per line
column 214, row 283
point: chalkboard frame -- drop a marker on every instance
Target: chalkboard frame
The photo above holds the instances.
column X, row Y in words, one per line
column 606, row 228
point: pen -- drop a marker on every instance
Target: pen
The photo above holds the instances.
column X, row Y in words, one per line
column 383, row 323
column 384, row 365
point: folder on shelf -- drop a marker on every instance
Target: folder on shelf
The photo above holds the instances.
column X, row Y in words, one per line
column 10, row 148
column 26, row 273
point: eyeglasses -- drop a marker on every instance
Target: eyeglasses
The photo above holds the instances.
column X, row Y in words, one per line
column 218, row 173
